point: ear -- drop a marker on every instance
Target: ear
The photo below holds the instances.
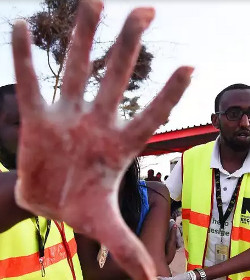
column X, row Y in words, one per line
column 215, row 120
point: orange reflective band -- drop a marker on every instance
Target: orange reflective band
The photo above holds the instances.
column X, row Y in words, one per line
column 19, row 266
column 192, row 266
column 196, row 218
column 240, row 233
column 186, row 214
column 244, row 278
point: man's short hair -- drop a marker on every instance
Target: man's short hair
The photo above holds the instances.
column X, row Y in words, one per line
column 231, row 87
column 11, row 88
column 7, row 89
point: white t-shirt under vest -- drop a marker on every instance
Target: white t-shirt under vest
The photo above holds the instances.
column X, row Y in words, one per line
column 228, row 183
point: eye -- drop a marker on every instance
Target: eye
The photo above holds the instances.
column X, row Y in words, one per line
column 234, row 113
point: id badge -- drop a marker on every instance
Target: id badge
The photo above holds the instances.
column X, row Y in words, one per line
column 221, row 253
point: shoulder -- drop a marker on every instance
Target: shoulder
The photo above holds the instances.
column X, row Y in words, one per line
column 157, row 189
column 207, row 147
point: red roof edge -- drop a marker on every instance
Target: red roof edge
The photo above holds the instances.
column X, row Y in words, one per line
column 182, row 133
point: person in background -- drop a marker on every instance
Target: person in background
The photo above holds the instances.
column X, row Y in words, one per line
column 158, row 176
column 165, row 177
column 32, row 247
column 213, row 182
column 151, row 176
column 145, row 207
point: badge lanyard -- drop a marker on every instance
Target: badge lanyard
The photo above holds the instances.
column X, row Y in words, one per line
column 223, row 218
column 42, row 242
column 60, row 227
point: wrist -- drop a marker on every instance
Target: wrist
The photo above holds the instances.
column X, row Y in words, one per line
column 201, row 272
column 198, row 277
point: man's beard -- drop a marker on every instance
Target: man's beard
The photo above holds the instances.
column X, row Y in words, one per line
column 235, row 145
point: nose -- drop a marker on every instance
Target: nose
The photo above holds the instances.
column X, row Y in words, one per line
column 245, row 122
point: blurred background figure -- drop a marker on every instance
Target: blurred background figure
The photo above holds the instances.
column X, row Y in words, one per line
column 151, row 176
column 165, row 178
column 158, row 176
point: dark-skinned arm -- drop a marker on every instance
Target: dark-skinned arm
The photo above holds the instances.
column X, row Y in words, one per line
column 87, row 250
column 237, row 264
column 153, row 235
column 11, row 214
column 156, row 226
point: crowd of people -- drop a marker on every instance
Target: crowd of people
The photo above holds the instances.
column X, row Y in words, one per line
column 71, row 200
column 151, row 176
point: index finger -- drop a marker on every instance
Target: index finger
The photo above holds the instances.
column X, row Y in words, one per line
column 143, row 125
column 29, row 97
column 77, row 65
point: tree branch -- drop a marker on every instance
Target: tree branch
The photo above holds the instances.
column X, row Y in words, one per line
column 57, row 82
column 50, row 67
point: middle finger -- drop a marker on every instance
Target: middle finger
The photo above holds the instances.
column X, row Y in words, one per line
column 77, row 66
column 121, row 63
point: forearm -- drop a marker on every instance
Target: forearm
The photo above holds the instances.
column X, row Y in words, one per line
column 234, row 265
column 163, row 268
column 239, row 263
column 87, row 251
column 106, row 273
column 154, row 233
column 159, row 256
column 10, row 213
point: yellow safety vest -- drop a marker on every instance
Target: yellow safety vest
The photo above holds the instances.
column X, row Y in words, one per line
column 19, row 251
column 197, row 202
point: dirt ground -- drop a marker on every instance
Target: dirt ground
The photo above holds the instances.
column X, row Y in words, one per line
column 178, row 264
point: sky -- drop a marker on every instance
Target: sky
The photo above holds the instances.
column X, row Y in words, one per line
column 212, row 36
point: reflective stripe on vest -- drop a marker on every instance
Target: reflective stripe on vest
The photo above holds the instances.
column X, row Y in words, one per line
column 197, row 196
column 19, row 258
column 240, row 237
column 19, row 253
column 18, row 266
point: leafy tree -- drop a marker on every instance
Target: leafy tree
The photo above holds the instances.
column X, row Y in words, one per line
column 129, row 106
column 52, row 28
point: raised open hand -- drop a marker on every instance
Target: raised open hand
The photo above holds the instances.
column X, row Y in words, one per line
column 72, row 157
